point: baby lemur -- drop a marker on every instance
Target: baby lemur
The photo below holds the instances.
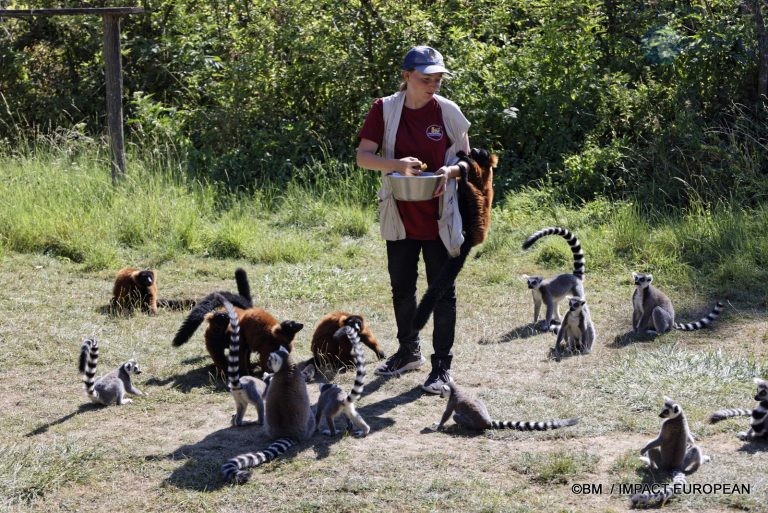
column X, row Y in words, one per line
column 758, row 429
column 333, row 401
column 112, row 387
column 652, row 310
column 551, row 291
column 471, row 413
column 577, row 330
column 674, row 450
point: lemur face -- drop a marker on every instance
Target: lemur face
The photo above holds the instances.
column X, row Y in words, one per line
column 534, row 281
column 642, row 280
column 145, row 278
column 762, row 390
column 576, row 303
column 670, row 410
column 277, row 359
column 132, row 367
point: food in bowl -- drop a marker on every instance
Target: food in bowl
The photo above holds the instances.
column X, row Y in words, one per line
column 413, row 188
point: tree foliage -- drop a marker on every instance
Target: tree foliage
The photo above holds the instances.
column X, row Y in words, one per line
column 594, row 97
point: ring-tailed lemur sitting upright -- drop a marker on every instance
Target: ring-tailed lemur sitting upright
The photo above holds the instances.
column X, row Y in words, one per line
column 552, row 290
column 758, row 429
column 577, row 329
column 674, row 450
column 333, row 401
column 110, row 388
column 653, row 313
column 288, row 418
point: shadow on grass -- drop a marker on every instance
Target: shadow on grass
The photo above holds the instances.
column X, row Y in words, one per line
column 372, row 412
column 564, row 353
column 754, row 446
column 454, row 430
column 202, row 461
column 383, row 406
column 117, row 313
column 519, row 333
column 81, row 409
column 195, row 378
column 630, row 337
column 201, row 470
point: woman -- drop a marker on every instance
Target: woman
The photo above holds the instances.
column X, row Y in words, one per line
column 411, row 127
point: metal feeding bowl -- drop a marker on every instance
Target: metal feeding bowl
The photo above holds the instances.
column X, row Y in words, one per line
column 413, row 188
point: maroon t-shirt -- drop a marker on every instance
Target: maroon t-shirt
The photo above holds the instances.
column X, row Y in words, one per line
column 421, row 134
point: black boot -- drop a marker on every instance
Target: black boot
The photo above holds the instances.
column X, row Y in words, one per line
column 440, row 374
column 407, row 358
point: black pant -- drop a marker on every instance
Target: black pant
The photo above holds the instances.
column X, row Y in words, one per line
column 402, row 263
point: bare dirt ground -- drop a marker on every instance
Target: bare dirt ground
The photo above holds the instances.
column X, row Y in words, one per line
column 163, row 452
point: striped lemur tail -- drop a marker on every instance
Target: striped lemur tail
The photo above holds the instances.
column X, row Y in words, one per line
column 209, row 303
column 451, row 268
column 234, row 468
column 533, row 426
column 704, row 321
column 89, row 357
column 233, row 358
column 570, row 238
column 728, row 413
column 647, row 499
column 353, row 333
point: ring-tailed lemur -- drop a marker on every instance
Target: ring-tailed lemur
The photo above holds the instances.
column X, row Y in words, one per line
column 111, row 387
column 288, row 418
column 577, row 329
column 653, row 313
column 245, row 390
column 674, row 450
column 552, row 290
column 333, row 401
column 758, row 428
column 471, row 413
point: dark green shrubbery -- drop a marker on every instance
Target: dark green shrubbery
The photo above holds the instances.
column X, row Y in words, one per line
column 657, row 100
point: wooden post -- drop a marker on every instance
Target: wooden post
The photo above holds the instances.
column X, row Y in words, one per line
column 762, row 57
column 114, row 79
column 113, row 69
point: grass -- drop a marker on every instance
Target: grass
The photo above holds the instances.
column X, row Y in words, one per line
column 65, row 232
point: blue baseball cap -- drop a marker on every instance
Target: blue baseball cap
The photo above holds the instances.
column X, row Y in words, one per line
column 425, row 60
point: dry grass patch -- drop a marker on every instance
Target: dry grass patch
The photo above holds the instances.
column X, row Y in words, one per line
column 163, row 452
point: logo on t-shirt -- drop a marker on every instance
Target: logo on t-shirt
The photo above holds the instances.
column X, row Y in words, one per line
column 435, row 132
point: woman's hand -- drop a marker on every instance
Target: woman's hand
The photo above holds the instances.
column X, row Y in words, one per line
column 410, row 166
column 444, row 172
